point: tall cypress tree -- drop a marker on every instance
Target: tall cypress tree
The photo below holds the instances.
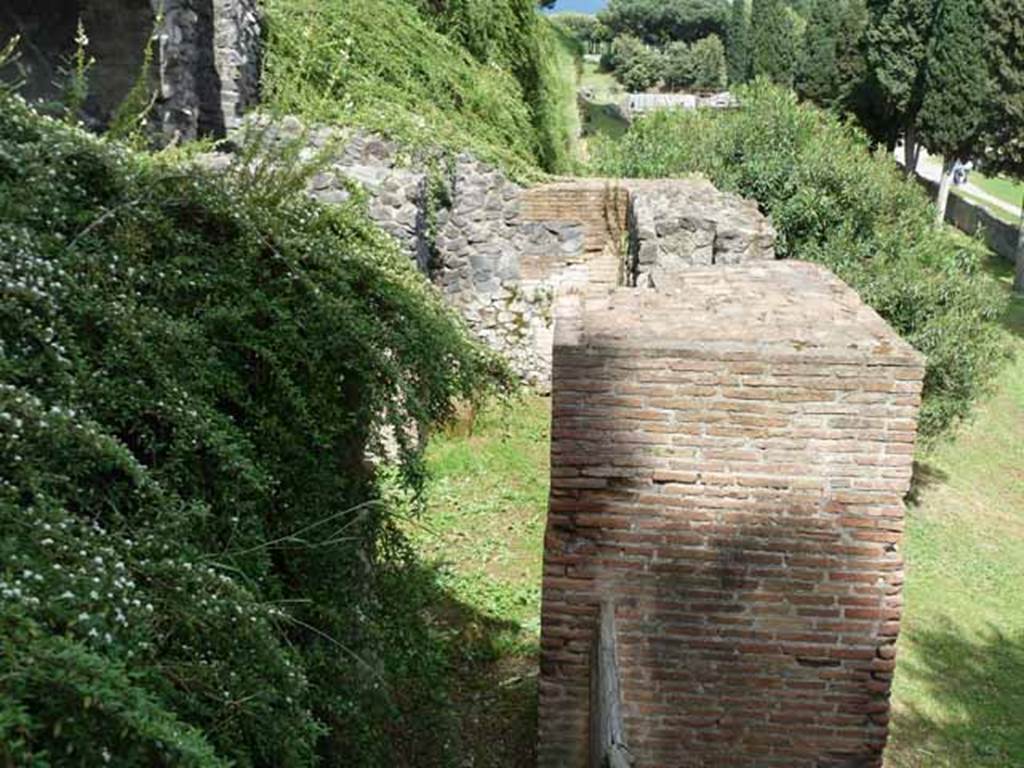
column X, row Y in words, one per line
column 739, row 43
column 897, row 53
column 1004, row 139
column 817, row 76
column 773, row 41
column 851, row 63
column 957, row 90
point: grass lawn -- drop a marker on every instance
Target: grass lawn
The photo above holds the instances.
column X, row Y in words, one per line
column 1005, row 189
column 959, row 694
column 995, row 210
column 484, row 529
column 604, row 86
column 602, row 117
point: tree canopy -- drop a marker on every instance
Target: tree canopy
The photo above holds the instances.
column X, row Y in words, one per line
column 1004, row 131
column 773, row 41
column 738, row 52
column 662, row 21
column 817, row 76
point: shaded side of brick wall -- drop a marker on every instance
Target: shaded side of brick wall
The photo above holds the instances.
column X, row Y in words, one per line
column 744, row 512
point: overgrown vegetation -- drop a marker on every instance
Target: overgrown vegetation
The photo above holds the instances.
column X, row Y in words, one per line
column 197, row 565
column 489, row 76
column 834, row 203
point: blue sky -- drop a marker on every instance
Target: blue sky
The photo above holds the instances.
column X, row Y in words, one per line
column 587, row 6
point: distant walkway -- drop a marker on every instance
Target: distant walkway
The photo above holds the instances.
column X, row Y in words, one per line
column 640, row 103
column 931, row 169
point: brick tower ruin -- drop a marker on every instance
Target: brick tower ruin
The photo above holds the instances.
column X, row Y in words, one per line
column 729, row 460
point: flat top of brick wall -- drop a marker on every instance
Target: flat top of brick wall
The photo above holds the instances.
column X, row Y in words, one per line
column 782, row 311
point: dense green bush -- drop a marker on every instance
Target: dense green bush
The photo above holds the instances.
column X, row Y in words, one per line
column 707, row 57
column 678, row 66
column 700, row 65
column 833, row 202
column 637, row 66
column 197, row 566
column 489, row 76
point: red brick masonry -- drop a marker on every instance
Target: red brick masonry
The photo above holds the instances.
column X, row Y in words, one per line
column 729, row 464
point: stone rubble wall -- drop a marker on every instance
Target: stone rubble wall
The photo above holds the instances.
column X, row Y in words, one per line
column 500, row 252
column 497, row 251
column 238, row 54
column 209, row 65
column 680, row 224
column 205, row 71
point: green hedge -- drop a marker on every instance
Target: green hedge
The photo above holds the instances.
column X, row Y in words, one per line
column 833, row 202
column 197, row 567
column 490, row 76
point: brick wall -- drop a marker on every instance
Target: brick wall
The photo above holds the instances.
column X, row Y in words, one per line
column 728, row 466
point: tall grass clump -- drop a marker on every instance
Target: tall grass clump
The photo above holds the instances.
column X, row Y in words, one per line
column 198, row 567
column 833, row 202
column 489, row 77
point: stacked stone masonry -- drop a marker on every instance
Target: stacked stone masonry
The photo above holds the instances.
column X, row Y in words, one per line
column 206, row 57
column 729, row 462
column 500, row 252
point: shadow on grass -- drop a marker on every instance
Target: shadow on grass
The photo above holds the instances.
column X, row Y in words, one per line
column 604, row 120
column 462, row 685
column 925, row 476
column 1002, row 270
column 493, row 690
column 973, row 691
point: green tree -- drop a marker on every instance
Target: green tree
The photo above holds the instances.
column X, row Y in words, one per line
column 739, row 43
column 661, row 21
column 1004, row 141
column 956, row 89
column 591, row 33
column 679, row 73
column 897, row 54
column 773, row 41
column 707, row 58
column 851, row 63
column 637, row 66
column 817, row 76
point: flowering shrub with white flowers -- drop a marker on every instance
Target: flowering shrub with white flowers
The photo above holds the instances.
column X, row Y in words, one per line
column 197, row 564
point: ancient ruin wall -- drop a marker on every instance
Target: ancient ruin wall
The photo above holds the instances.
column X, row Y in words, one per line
column 728, row 468
column 206, row 65
column 501, row 252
